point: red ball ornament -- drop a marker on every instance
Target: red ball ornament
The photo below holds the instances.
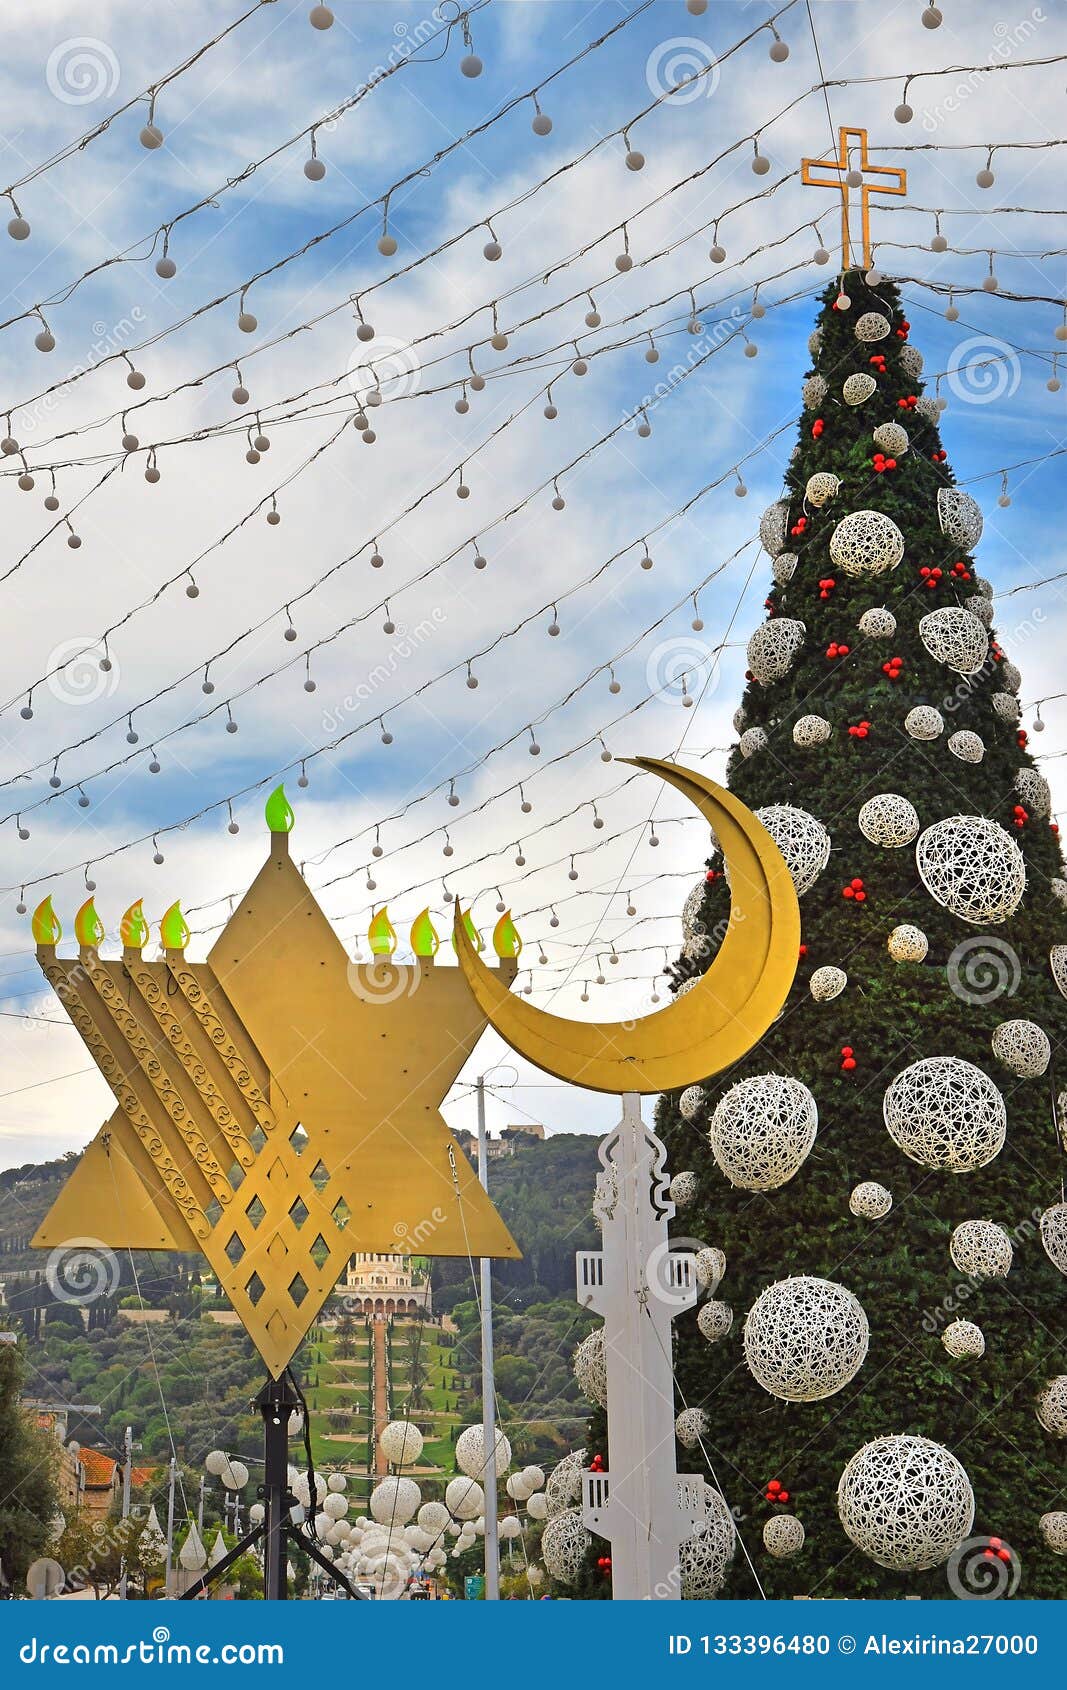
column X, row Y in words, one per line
column 848, row 1063
column 803, row 951
column 774, row 1485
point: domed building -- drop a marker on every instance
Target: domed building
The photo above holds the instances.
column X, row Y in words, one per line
column 383, row 1284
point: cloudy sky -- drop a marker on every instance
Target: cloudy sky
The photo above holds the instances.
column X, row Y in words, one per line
column 387, row 646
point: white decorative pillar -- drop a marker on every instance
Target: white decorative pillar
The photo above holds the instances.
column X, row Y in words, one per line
column 637, row 1284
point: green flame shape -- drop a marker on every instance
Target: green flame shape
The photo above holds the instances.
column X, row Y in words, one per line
column 45, row 924
column 382, row 934
column 88, row 928
column 278, row 811
column 506, row 941
column 133, row 928
column 472, row 933
column 425, row 939
column 173, row 933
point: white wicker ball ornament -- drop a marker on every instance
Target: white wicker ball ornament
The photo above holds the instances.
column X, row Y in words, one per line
column 564, row 1484
column 709, row 1265
column 752, row 742
column 805, row 1338
column 774, row 527
column 1057, row 961
column 827, row 983
column 433, row 1517
column 870, row 1201
column 1052, row 1406
column 694, row 903
column 981, row 607
column 783, row 1536
column 877, row 624
column 1007, row 707
column 703, row 1560
column 464, row 1498
column 929, row 409
column 683, row 1189
column 973, row 868
column 1023, row 1047
column 802, row 840
column 783, row 568
column 891, row 439
column 762, row 1131
column 924, row 722
column 591, row 1368
column 966, row 746
column 821, row 488
column 1009, row 675
column 963, row 1340
column 564, row 1545
column 866, row 544
column 872, row 326
column 690, row 1426
column 400, row 1442
column 814, row 343
column 740, row 719
column 905, row 1502
column 911, row 361
column 960, row 517
column 1034, row 792
column 813, row 392
column 888, row 820
column 774, row 647
column 955, row 638
column 1058, row 888
column 945, row 1113
column 537, row 1506
column 981, row 1249
column 1054, row 1531
column 809, row 731
column 394, row 1501
column 471, row 1455
column 1054, row 1235
column 715, row 1320
column 691, row 1102
column 855, row 390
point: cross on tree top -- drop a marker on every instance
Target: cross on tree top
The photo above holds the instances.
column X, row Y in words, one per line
column 844, row 175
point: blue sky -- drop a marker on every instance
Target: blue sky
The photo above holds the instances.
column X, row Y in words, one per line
column 271, row 78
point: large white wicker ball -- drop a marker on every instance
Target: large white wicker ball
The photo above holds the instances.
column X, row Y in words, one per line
column 827, row 983
column 1052, row 1406
column 980, row 607
column 564, row 1484
column 966, row 746
column 963, row 1340
column 710, row 1265
column 813, row 392
column 805, row 1338
column 762, row 1130
column 1006, row 707
column 433, row 1517
column 533, row 1478
column 740, row 719
column 1058, row 888
column 911, row 361
column 960, row 517
column 591, row 1368
column 1057, row 961
column 1023, row 1047
column 464, row 1498
column 715, row 1320
column 870, row 1201
column 774, row 527
column 752, row 741
column 945, row 1113
column 1034, row 792
column 564, row 1544
column 856, row 389
column 690, row 1426
column 891, row 438
column 694, row 903
column 802, row 840
column 1010, row 677
column 872, row 326
column 335, row 1505
column 537, row 1506
column 815, row 343
column 924, row 722
column 471, row 1455
column 866, row 544
column 811, row 730
column 888, row 820
column 400, row 1442
column 906, row 1502
column 821, row 488
column 783, row 1536
column 877, row 623
column 691, row 1102
column 983, row 586
column 929, row 409
column 1054, row 1235
column 981, row 1249
column 955, row 638
column 683, row 1188
column 1054, row 1531
column 972, row 867
column 784, row 567
column 774, row 647
column 704, row 1559
column 394, row 1501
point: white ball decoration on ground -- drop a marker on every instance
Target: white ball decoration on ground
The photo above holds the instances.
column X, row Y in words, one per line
column 1006, row 707
column 715, row 1320
column 866, row 544
column 1023, row 1047
column 924, row 722
column 802, row 840
column 872, row 325
column 690, row 1426
column 813, row 392
column 827, row 983
column 564, row 1544
column 703, row 1560
column 471, row 1456
column 709, row 1266
column 877, row 623
column 870, row 1201
column 981, row 1249
column 805, row 1338
column 963, row 1340
column 1057, row 961
column 464, row 1498
column 394, row 1501
column 752, row 741
column 783, row 1536
column 683, row 1188
column 774, row 648
column 762, row 1131
column 945, row 1113
column 400, row 1442
column 811, row 730
column 1054, row 1531
column 1054, row 1235
column 955, row 638
column 888, row 820
column 1051, row 1406
column 960, row 517
column 691, row 1103
column 821, row 488
column 774, row 527
column 966, row 746
column 905, row 1502
column 857, row 389
column 590, row 1367
column 891, row 438
column 973, row 868
column 1034, row 792
column 784, row 567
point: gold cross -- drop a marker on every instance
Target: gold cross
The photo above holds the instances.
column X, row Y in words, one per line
column 840, row 168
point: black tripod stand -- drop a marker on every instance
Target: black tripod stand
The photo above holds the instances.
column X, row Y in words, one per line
column 278, row 1399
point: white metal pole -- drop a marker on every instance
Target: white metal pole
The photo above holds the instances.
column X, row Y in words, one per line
column 170, row 1527
column 126, row 1477
column 492, row 1554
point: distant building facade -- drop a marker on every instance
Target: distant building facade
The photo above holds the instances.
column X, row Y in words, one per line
column 383, row 1284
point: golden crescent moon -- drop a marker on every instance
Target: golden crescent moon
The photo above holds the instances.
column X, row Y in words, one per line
column 709, row 1027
